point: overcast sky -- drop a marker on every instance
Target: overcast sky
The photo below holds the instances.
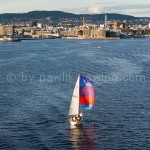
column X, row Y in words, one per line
column 129, row 7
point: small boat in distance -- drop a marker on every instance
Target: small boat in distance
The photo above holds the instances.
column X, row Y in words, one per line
column 83, row 97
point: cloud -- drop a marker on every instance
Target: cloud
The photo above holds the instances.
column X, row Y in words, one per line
column 107, row 3
column 95, row 10
column 86, row 10
column 129, row 9
column 129, row 6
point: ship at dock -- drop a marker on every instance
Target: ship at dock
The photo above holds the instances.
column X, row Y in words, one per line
column 9, row 39
column 7, row 34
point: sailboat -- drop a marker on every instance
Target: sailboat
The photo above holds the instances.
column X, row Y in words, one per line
column 83, row 97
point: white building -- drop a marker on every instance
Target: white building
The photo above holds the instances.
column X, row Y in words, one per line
column 102, row 25
column 39, row 25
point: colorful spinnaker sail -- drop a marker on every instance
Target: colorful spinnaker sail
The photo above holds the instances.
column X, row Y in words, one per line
column 87, row 93
column 83, row 95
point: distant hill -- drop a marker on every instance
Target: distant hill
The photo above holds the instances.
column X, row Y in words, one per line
column 37, row 15
column 56, row 15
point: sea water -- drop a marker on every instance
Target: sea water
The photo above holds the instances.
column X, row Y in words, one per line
column 37, row 79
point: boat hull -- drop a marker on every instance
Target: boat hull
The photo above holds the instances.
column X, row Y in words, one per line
column 73, row 123
column 9, row 40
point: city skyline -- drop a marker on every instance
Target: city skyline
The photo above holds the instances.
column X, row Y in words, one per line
column 85, row 7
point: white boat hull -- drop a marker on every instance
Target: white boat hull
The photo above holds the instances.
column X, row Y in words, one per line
column 9, row 40
column 73, row 123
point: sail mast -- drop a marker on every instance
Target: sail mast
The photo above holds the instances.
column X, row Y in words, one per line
column 74, row 106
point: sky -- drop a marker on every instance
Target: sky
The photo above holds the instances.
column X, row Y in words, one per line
column 138, row 8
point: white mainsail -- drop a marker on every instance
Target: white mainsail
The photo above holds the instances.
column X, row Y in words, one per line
column 74, row 106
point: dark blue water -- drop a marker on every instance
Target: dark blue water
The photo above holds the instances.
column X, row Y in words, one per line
column 37, row 79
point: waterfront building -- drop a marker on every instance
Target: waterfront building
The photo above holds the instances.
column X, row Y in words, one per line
column 116, row 25
column 40, row 25
column 7, row 30
column 125, row 24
